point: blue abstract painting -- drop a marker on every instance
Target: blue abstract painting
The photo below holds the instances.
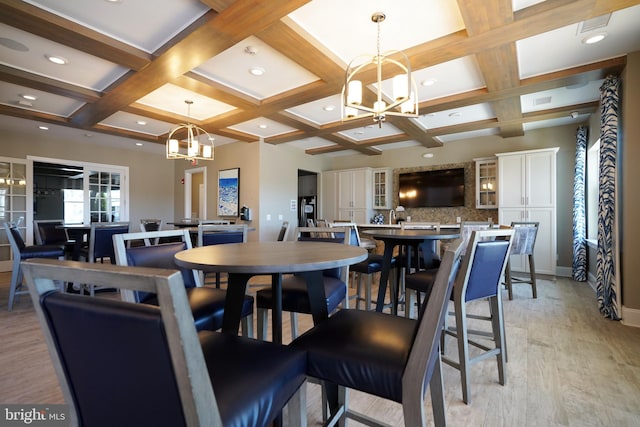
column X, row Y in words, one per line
column 228, row 192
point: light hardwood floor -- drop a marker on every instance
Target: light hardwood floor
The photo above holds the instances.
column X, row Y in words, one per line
column 567, row 366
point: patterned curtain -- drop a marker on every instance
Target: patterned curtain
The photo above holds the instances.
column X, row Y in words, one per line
column 579, row 270
column 606, row 261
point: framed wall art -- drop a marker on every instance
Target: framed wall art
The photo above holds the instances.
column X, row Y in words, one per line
column 228, row 192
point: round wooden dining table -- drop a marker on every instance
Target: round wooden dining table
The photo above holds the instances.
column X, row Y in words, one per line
column 244, row 260
column 393, row 237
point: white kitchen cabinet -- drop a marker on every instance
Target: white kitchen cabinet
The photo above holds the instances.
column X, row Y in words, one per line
column 527, row 192
column 354, row 195
column 486, row 183
column 382, row 188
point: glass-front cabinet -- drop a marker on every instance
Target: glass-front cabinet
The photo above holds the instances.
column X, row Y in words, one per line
column 487, row 183
column 382, row 188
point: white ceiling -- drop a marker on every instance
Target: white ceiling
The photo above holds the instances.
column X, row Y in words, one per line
column 341, row 29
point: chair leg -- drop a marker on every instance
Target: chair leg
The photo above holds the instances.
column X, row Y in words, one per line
column 263, row 314
column 436, row 386
column 409, row 302
column 367, row 292
column 247, row 326
column 463, row 351
column 297, row 407
column 497, row 323
column 358, row 289
column 508, row 282
column 532, row 271
column 16, row 281
column 294, row 325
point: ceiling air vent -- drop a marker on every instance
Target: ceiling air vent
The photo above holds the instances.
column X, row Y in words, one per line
column 594, row 23
column 541, row 101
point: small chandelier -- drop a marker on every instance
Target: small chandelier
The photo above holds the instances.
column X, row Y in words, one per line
column 404, row 102
column 194, row 150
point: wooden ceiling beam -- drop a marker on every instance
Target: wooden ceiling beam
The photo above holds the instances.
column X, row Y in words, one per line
column 46, row 84
column 237, row 22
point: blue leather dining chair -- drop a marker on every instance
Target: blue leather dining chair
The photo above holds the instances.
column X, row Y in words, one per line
column 149, row 366
column 20, row 251
column 480, row 276
column 206, row 303
column 217, row 233
column 295, row 298
column 385, row 355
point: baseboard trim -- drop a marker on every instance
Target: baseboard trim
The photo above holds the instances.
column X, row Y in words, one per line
column 563, row 271
column 630, row 317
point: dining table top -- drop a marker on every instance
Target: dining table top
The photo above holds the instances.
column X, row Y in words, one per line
column 412, row 234
column 270, row 257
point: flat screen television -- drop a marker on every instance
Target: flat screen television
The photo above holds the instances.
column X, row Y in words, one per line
column 432, row 189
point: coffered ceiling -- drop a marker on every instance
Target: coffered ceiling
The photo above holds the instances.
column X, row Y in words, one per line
column 492, row 67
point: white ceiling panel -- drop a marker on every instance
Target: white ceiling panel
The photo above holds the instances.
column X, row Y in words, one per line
column 12, row 95
column 467, row 135
column 232, row 68
column 262, row 127
column 346, row 29
column 457, row 116
column 563, row 48
column 561, row 97
column 322, row 111
column 132, row 122
column 172, row 98
column 81, row 69
column 154, row 25
column 371, row 132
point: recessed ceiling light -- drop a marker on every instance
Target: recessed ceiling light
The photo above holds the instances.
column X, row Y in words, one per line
column 329, row 108
column 455, row 114
column 594, row 38
column 141, row 122
column 262, row 126
column 57, row 59
column 428, row 82
column 88, row 135
column 29, row 97
column 256, row 71
column 113, row 1
column 427, row 155
column 41, row 127
column 139, row 144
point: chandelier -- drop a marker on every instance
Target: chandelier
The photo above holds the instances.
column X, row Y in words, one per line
column 193, row 149
column 404, row 102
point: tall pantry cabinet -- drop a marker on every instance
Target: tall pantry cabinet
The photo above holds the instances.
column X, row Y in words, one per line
column 527, row 193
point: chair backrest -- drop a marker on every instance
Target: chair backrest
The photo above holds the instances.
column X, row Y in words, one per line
column 150, row 224
column 425, row 350
column 468, row 227
column 483, row 264
column 420, row 225
column 524, row 238
column 284, row 232
column 49, row 231
column 330, row 235
column 214, row 221
column 101, row 239
column 15, row 239
column 211, row 234
column 101, row 347
column 353, row 227
column 156, row 256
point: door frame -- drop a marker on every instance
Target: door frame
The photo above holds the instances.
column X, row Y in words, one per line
column 188, row 182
